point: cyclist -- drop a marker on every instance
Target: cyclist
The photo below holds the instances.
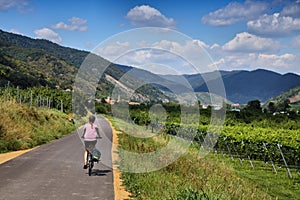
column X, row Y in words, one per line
column 90, row 133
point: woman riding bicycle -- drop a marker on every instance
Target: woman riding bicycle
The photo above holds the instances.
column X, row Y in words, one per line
column 90, row 133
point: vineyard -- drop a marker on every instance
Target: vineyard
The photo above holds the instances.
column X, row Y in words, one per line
column 245, row 137
column 37, row 115
column 228, row 172
column 44, row 97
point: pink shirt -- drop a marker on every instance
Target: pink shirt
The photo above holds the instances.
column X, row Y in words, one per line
column 90, row 133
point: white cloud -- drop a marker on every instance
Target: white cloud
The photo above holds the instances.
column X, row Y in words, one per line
column 296, row 42
column 75, row 24
column 292, row 10
column 15, row 31
column 112, row 51
column 167, row 53
column 189, row 49
column 250, row 61
column 245, row 51
column 235, row 12
column 48, row 34
column 250, row 52
column 246, row 42
column 8, row 4
column 274, row 25
column 118, row 52
column 145, row 15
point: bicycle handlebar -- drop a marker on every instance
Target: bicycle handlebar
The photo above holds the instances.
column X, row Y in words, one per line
column 96, row 137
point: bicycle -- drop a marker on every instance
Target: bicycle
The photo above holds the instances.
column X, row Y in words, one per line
column 90, row 159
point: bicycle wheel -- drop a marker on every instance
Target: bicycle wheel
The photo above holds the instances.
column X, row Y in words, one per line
column 90, row 170
column 91, row 164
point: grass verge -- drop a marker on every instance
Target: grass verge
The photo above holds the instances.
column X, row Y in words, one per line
column 22, row 127
column 278, row 185
column 189, row 177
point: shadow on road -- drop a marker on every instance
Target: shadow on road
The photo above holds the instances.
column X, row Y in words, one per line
column 98, row 172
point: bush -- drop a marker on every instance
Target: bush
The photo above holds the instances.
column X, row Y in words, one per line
column 14, row 145
column 3, row 146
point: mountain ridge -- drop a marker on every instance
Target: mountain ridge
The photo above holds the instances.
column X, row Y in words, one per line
column 37, row 62
column 28, row 62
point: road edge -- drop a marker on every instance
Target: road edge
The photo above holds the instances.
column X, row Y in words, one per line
column 119, row 190
column 4, row 157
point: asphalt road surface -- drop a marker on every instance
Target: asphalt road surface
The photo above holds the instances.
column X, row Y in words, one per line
column 55, row 171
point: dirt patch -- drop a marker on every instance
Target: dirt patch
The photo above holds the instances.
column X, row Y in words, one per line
column 295, row 98
column 4, row 157
column 120, row 192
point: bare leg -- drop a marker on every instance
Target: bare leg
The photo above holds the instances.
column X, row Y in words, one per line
column 85, row 157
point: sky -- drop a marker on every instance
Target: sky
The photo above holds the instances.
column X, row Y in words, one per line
column 236, row 35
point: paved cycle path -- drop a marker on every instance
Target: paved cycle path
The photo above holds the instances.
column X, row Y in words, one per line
column 55, row 171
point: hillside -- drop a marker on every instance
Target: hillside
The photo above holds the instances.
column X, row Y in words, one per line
column 293, row 95
column 241, row 86
column 31, row 126
column 245, row 86
column 27, row 62
column 33, row 67
column 72, row 56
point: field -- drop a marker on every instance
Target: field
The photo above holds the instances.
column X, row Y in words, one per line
column 255, row 157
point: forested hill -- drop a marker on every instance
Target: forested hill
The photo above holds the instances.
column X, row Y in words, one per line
column 291, row 97
column 33, row 67
column 71, row 56
column 259, row 84
column 27, row 62
column 243, row 86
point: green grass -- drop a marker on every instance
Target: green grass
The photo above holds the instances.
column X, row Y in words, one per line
column 22, row 127
column 212, row 177
column 278, row 185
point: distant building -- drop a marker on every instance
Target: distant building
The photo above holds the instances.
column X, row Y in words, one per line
column 213, row 106
column 110, row 101
column 133, row 103
column 235, row 107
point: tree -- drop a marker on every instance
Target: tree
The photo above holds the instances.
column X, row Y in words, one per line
column 284, row 106
column 271, row 107
column 254, row 106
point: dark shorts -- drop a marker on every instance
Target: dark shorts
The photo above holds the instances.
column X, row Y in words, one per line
column 90, row 144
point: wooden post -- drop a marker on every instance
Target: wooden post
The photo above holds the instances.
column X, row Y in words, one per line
column 228, row 149
column 286, row 166
column 250, row 162
column 273, row 166
column 7, row 87
column 31, row 99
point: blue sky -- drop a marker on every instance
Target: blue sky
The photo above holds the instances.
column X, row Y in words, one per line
column 236, row 34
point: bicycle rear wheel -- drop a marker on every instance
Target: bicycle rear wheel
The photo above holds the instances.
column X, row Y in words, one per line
column 90, row 171
column 91, row 164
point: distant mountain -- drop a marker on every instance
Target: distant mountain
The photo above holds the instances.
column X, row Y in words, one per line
column 244, row 86
column 27, row 62
column 240, row 86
